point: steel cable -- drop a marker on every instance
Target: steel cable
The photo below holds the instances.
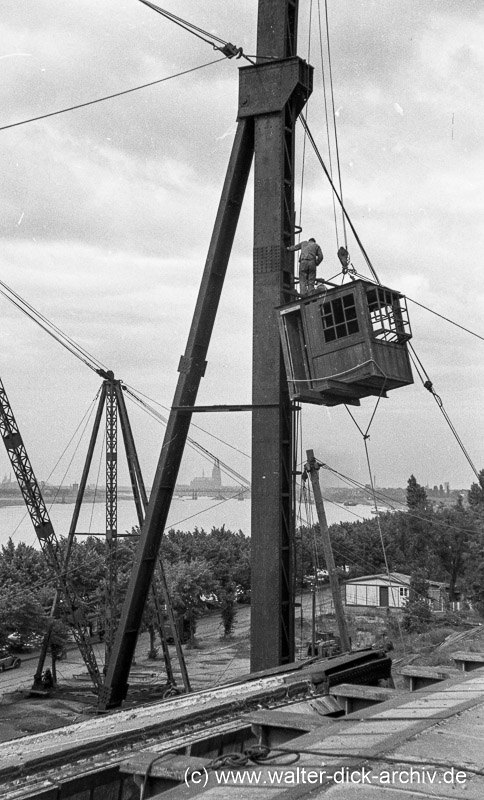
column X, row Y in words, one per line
column 430, row 388
column 227, row 48
column 340, row 201
column 108, row 96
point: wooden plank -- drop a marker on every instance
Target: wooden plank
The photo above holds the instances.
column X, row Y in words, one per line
column 287, row 719
column 420, row 677
column 468, row 661
column 355, row 697
column 429, row 672
column 168, row 766
column 356, row 690
column 468, row 656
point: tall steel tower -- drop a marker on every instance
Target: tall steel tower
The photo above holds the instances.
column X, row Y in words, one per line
column 272, row 94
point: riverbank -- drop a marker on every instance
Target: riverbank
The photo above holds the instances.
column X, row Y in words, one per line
column 186, row 514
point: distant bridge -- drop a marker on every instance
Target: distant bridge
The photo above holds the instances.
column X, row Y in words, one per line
column 222, row 492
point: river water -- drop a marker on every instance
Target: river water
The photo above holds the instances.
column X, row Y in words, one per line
column 185, row 514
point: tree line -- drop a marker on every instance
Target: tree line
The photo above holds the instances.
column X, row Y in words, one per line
column 213, row 568
column 201, row 569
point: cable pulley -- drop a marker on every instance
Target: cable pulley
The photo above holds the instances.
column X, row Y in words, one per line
column 344, row 257
column 231, row 50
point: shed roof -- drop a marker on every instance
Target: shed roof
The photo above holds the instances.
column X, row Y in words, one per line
column 392, row 578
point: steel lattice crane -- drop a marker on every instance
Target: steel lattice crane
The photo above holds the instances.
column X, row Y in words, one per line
column 71, row 605
column 112, row 398
column 66, row 600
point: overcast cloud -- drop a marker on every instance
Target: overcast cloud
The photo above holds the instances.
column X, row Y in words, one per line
column 107, row 212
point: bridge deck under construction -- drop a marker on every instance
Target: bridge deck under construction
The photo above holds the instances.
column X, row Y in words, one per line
column 424, row 743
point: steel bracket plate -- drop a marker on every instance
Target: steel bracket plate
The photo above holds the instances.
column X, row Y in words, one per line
column 187, row 364
column 266, row 88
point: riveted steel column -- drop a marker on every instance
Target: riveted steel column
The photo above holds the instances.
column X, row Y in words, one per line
column 272, row 593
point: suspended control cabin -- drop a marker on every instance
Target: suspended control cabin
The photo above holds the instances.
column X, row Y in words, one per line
column 345, row 343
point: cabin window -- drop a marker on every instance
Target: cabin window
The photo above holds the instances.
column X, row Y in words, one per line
column 388, row 315
column 403, row 592
column 339, row 318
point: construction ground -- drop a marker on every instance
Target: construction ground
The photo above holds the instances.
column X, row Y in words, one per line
column 214, row 660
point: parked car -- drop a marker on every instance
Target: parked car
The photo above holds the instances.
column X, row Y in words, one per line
column 9, row 662
column 210, row 600
column 322, row 575
column 242, row 595
column 19, row 642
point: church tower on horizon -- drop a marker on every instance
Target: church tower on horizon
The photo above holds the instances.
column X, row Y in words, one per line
column 216, row 474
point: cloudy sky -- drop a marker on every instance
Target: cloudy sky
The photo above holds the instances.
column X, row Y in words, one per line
column 106, row 214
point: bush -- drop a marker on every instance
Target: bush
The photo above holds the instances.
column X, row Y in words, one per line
column 456, row 619
column 436, row 659
column 417, row 615
column 439, row 634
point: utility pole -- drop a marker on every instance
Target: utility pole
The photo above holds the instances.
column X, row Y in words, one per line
column 271, row 95
column 312, row 468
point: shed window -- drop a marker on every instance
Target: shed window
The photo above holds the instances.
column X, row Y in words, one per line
column 339, row 318
column 403, row 592
column 388, row 315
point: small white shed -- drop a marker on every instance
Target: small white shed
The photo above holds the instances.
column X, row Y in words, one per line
column 389, row 591
column 382, row 590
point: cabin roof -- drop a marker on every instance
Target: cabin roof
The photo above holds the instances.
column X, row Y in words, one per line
column 333, row 288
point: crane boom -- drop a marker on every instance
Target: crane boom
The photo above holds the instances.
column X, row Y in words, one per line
column 72, row 606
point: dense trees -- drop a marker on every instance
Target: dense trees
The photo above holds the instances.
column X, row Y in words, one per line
column 199, row 567
column 20, row 612
column 416, row 495
column 475, row 496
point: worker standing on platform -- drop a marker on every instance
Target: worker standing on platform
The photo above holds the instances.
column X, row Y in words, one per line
column 311, row 256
